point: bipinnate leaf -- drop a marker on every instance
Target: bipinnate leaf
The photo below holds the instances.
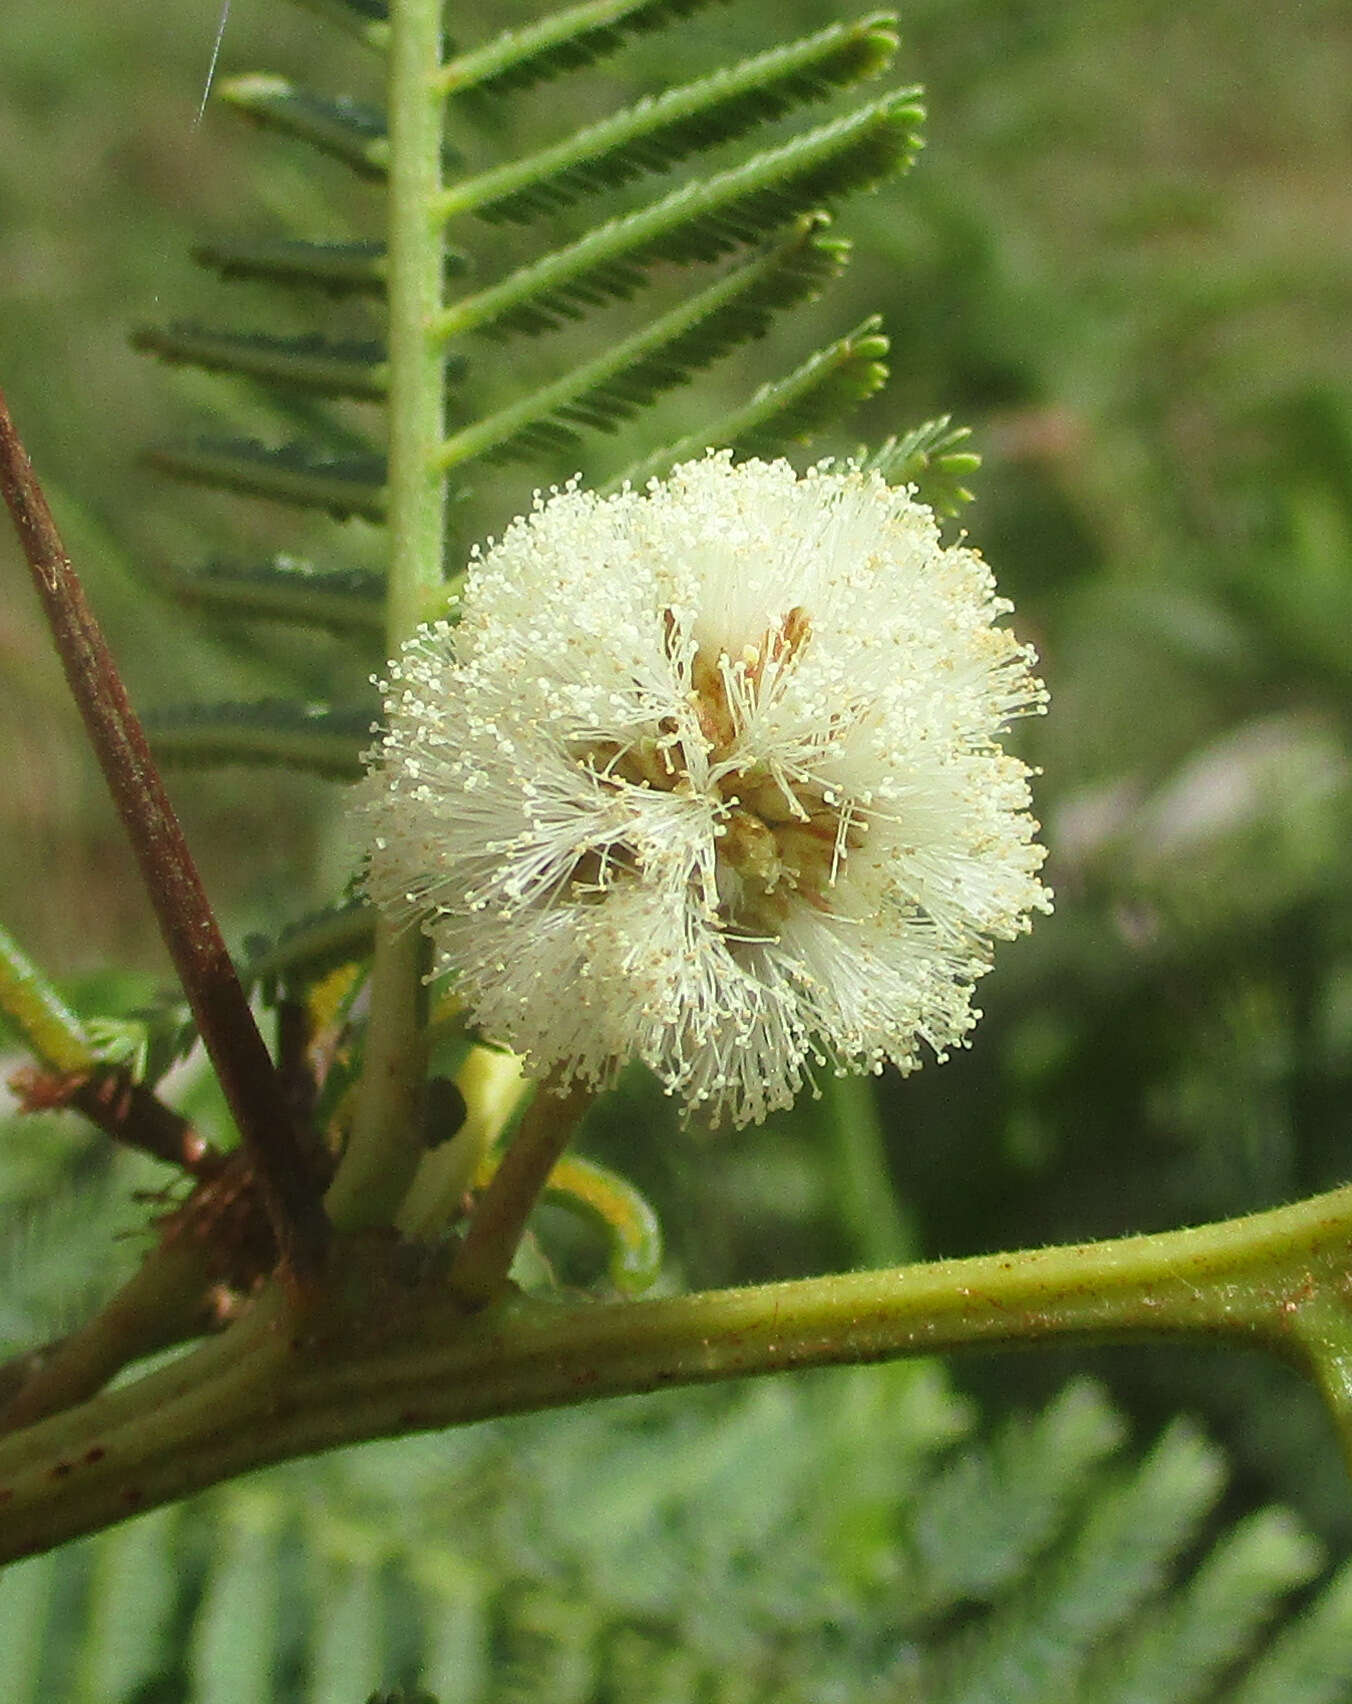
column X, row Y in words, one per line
column 658, row 132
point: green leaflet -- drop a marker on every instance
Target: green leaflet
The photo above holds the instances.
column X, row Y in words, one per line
column 623, row 379
column 344, row 600
column 344, row 129
column 338, row 269
column 294, row 473
column 314, row 737
column 700, row 221
column 784, row 412
column 656, row 133
column 565, row 40
column 309, row 363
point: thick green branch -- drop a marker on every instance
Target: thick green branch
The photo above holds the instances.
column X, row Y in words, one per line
column 386, row 1141
column 389, row 1355
column 163, row 1303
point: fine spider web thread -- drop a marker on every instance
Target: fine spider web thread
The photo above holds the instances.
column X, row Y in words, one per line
column 215, row 56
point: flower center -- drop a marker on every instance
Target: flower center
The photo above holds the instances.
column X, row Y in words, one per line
column 775, row 838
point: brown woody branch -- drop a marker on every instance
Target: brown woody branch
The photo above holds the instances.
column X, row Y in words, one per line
column 224, row 1021
column 124, row 1110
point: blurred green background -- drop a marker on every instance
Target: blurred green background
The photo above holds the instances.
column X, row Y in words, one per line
column 1124, row 260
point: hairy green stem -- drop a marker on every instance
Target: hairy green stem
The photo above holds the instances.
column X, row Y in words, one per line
column 386, row 1141
column 392, row 1352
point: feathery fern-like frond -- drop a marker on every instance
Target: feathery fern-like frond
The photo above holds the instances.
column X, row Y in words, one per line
column 656, row 133
column 786, row 412
column 564, row 40
column 1310, row 1660
column 315, row 737
column 698, row 222
column 756, row 1533
column 287, row 589
column 346, row 130
column 981, row 1522
column 623, row 379
column 1208, row 1626
column 1114, row 1564
column 309, row 363
column 294, row 473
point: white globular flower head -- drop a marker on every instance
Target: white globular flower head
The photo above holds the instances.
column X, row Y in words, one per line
column 708, row 775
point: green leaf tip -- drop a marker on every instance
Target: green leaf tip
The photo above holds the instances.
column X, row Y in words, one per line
column 933, row 459
column 37, row 1012
column 784, row 412
column 343, row 128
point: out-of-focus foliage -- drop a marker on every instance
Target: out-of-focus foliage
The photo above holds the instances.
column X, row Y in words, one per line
column 836, row 1537
column 1122, row 260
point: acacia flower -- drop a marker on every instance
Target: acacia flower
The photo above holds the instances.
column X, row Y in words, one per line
column 708, row 775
